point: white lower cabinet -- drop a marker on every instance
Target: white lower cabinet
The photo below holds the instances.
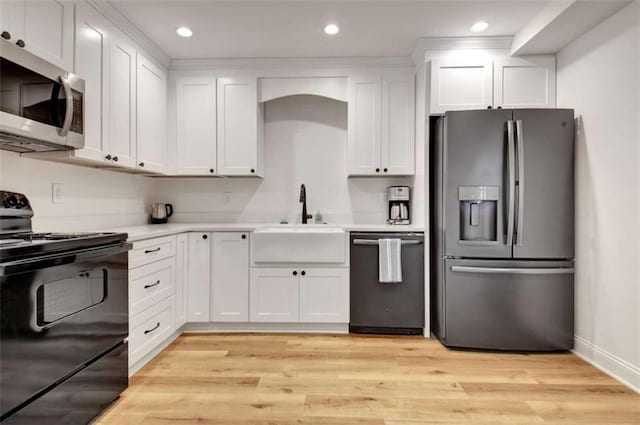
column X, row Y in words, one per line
column 274, row 295
column 150, row 284
column 299, row 294
column 199, row 277
column 182, row 277
column 230, row 277
column 152, row 297
column 149, row 329
column 324, row 295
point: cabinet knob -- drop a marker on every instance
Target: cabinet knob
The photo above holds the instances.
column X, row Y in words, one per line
column 303, row 272
column 253, row 171
column 20, row 43
column 204, row 236
column 377, row 170
column 489, row 107
column 6, row 35
column 108, row 157
column 115, row 158
column 244, row 236
column 141, row 164
column 385, row 170
column 295, row 273
column 211, row 170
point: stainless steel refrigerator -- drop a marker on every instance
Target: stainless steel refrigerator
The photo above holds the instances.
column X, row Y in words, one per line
column 503, row 223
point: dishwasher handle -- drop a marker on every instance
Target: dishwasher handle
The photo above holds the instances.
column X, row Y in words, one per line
column 375, row 242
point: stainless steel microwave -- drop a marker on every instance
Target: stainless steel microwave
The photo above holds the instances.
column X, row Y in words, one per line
column 41, row 105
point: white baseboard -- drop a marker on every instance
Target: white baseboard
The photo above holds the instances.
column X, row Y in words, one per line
column 610, row 364
column 268, row 327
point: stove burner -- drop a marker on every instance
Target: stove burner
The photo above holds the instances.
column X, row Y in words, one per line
column 60, row 236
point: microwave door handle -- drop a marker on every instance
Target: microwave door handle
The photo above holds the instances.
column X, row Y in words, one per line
column 520, row 209
column 68, row 115
column 511, row 155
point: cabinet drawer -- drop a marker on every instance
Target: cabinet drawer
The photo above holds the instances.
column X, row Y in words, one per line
column 150, row 328
column 145, row 252
column 151, row 283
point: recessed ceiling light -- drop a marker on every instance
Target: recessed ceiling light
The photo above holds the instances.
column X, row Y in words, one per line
column 331, row 29
column 479, row 26
column 184, row 32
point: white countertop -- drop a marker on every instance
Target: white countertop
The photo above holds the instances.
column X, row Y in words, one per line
column 148, row 231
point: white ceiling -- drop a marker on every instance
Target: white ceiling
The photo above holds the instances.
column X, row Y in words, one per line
column 259, row 29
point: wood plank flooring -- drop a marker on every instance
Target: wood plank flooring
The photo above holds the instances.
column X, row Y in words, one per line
column 287, row 379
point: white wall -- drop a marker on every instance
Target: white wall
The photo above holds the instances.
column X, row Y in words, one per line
column 93, row 199
column 305, row 142
column 599, row 76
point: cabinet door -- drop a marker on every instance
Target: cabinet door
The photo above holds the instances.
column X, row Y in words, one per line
column 364, row 140
column 274, row 295
column 182, row 277
column 92, row 64
column 196, row 126
column 151, row 115
column 398, row 125
column 230, row 283
column 324, row 295
column 526, row 82
column 198, row 284
column 459, row 85
column 45, row 26
column 240, row 124
column 122, row 101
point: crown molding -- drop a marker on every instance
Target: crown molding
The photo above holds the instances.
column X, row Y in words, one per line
column 327, row 63
column 459, row 43
column 126, row 26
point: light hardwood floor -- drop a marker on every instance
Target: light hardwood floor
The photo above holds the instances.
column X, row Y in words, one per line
column 251, row 379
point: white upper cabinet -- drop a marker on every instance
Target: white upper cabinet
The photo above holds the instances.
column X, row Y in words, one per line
column 122, row 103
column 196, row 126
column 199, row 277
column 92, row 64
column 461, row 84
column 381, row 124
column 398, row 125
column 151, row 116
column 45, row 27
column 525, row 82
column 364, row 139
column 324, row 295
column 240, row 127
column 230, row 277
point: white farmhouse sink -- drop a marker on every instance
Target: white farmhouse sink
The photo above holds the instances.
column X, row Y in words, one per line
column 299, row 244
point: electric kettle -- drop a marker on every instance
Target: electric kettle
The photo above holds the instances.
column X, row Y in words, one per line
column 160, row 213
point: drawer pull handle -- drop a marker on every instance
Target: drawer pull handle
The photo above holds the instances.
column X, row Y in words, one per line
column 151, row 285
column 150, row 251
column 148, row 331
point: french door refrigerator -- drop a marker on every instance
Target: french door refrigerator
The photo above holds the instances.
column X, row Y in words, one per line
column 503, row 229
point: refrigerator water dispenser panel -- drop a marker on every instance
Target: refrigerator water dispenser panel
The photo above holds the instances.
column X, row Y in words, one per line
column 478, row 213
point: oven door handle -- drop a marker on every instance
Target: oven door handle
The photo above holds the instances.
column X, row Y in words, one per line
column 53, row 260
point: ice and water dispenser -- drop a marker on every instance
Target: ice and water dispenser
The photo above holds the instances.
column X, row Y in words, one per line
column 478, row 213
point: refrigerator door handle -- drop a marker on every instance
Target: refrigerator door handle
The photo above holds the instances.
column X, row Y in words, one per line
column 510, row 270
column 520, row 207
column 512, row 182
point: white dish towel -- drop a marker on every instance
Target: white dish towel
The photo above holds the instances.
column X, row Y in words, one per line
column 389, row 260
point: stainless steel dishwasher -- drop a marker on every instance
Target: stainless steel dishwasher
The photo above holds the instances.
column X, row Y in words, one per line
column 393, row 308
